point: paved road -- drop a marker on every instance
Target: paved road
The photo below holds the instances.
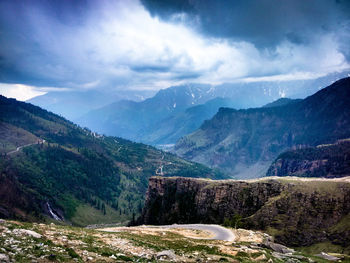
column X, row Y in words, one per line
column 220, row 233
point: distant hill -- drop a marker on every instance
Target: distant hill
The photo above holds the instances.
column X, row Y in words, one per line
column 244, row 142
column 329, row 161
column 74, row 104
column 52, row 167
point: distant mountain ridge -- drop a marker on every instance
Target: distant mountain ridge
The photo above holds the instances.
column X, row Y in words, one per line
column 244, row 138
column 74, row 104
column 156, row 120
column 281, row 102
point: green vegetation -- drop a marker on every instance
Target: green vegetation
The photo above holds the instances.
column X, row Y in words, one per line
column 236, row 140
column 322, row 161
column 234, row 222
column 172, row 241
column 88, row 215
column 86, row 178
column 323, row 246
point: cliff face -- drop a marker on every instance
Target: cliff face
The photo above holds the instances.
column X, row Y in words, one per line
column 324, row 161
column 296, row 212
column 234, row 140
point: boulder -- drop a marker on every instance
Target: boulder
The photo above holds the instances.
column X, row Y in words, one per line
column 278, row 247
column 4, row 258
column 25, row 232
column 166, row 255
column 328, row 257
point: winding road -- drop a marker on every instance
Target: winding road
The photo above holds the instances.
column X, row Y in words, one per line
column 20, row 147
column 220, row 233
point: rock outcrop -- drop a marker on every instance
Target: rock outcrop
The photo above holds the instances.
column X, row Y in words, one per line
column 328, row 161
column 296, row 212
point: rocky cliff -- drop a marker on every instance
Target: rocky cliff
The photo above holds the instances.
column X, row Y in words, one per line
column 296, row 212
column 330, row 161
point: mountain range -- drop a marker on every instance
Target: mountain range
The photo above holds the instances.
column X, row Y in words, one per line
column 155, row 120
column 243, row 143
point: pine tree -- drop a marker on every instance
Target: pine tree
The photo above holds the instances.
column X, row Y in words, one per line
column 104, row 208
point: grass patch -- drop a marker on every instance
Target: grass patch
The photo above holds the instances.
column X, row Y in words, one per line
column 327, row 247
column 343, row 224
column 88, row 215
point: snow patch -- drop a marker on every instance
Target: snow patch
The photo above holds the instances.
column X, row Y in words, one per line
column 282, row 93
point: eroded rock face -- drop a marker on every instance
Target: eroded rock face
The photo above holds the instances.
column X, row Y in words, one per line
column 296, row 212
column 332, row 160
column 187, row 201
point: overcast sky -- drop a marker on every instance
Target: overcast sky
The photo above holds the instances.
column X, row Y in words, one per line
column 85, row 44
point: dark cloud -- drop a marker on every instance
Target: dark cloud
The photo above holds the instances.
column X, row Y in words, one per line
column 152, row 69
column 263, row 22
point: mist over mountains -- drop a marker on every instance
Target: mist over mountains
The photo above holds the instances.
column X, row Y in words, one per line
column 73, row 104
column 156, row 119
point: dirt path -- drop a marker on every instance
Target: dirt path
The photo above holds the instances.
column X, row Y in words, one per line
column 21, row 147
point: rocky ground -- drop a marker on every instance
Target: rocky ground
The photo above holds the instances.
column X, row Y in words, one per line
column 32, row 242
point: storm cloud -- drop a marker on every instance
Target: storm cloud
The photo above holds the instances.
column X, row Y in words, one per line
column 155, row 44
column 265, row 23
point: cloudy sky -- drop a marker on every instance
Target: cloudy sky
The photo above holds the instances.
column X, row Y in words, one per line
column 129, row 44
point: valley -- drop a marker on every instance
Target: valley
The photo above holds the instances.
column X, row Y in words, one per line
column 55, row 172
column 175, row 131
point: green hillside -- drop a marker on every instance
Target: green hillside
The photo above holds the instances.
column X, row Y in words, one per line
column 83, row 177
column 327, row 160
column 236, row 141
